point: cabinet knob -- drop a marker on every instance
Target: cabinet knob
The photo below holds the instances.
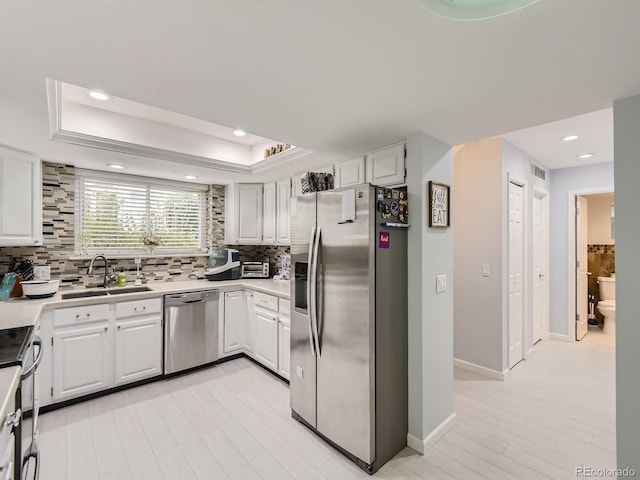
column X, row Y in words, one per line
column 77, row 316
column 88, row 315
column 106, row 328
column 144, row 308
column 135, row 309
column 119, row 327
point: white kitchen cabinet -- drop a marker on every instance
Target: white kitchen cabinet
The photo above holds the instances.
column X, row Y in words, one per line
column 284, row 336
column 20, row 198
column 350, row 172
column 283, row 209
column 269, row 213
column 82, row 360
column 234, row 320
column 248, row 213
column 265, row 331
column 138, row 348
column 386, row 166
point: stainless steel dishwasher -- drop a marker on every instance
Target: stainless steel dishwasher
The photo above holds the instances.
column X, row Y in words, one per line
column 190, row 330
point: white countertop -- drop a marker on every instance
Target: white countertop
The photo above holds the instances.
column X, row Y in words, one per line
column 9, row 379
column 21, row 311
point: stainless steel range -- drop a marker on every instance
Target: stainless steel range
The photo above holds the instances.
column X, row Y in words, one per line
column 22, row 347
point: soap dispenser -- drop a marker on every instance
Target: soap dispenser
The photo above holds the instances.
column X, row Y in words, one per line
column 122, row 278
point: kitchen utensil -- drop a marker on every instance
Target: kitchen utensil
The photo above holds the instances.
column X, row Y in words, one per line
column 40, row 288
column 17, row 288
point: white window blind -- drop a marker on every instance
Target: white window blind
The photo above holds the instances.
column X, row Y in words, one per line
column 115, row 212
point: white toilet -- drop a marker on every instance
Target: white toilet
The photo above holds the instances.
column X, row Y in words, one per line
column 607, row 304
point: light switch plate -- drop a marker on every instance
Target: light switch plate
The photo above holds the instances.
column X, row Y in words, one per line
column 485, row 270
column 441, row 283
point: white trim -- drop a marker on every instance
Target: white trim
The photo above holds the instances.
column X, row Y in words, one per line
column 571, row 254
column 422, row 446
column 487, row 372
column 561, row 337
column 137, row 179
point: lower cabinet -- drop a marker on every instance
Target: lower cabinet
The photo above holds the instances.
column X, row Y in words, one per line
column 98, row 347
column 265, row 331
column 233, row 324
column 138, row 349
column 284, row 353
column 82, row 361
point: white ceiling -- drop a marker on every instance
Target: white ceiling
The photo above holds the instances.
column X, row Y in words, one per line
column 335, row 77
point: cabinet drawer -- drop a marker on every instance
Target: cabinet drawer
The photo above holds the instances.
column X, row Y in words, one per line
column 80, row 315
column 285, row 306
column 265, row 301
column 138, row 307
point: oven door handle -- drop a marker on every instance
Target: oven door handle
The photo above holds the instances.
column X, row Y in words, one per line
column 36, row 342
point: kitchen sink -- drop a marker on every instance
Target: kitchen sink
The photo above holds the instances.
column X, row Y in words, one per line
column 104, row 293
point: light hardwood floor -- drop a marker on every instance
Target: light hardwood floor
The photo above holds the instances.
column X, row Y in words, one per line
column 555, row 412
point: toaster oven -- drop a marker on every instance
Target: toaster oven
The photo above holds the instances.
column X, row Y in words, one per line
column 255, row 270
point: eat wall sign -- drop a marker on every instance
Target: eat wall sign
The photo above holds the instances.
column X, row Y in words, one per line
column 439, row 213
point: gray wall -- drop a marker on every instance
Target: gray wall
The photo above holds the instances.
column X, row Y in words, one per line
column 626, row 114
column 477, row 331
column 430, row 314
column 564, row 180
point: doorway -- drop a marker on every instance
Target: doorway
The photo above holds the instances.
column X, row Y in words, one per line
column 540, row 266
column 516, row 272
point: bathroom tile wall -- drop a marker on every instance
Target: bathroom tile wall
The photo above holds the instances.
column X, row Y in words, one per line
column 58, row 198
column 602, row 263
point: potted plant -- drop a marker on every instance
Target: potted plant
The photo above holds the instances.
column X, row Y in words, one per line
column 151, row 241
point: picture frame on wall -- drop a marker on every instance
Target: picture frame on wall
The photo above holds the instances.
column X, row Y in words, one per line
column 439, row 202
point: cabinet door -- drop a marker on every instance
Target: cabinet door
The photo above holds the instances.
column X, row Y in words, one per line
column 283, row 212
column 138, row 348
column 20, row 198
column 234, row 317
column 284, row 335
column 265, row 340
column 249, row 213
column 386, row 166
column 269, row 213
column 350, row 172
column 82, row 361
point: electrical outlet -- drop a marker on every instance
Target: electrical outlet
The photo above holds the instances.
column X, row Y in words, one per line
column 42, row 273
column 299, row 372
column 441, row 283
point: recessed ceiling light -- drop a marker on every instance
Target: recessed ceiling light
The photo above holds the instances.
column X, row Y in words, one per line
column 570, row 138
column 584, row 156
column 98, row 95
column 116, row 166
column 190, row 177
column 239, row 133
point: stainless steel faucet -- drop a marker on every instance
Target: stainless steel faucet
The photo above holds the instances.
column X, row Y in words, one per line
column 107, row 275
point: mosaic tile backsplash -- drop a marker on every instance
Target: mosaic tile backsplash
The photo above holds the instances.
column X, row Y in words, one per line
column 58, row 199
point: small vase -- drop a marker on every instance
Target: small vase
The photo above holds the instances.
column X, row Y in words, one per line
column 150, row 249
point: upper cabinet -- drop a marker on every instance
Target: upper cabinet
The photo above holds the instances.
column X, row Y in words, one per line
column 283, row 216
column 386, row 166
column 249, row 213
column 350, row 172
column 20, row 198
column 269, row 213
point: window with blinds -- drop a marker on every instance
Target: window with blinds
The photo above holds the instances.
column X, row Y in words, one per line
column 116, row 213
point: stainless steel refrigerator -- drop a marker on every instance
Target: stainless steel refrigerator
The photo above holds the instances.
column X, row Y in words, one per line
column 349, row 319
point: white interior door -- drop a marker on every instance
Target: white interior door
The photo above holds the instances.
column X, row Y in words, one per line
column 582, row 257
column 539, row 267
column 516, row 268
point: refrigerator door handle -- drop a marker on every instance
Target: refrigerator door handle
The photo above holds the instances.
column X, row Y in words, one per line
column 309, row 290
column 313, row 309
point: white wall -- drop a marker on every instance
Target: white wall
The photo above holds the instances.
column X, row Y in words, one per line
column 430, row 314
column 477, row 335
column 626, row 128
column 599, row 219
column 590, row 178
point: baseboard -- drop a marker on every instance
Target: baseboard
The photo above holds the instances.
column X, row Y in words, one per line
column 422, row 446
column 487, row 372
column 560, row 336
